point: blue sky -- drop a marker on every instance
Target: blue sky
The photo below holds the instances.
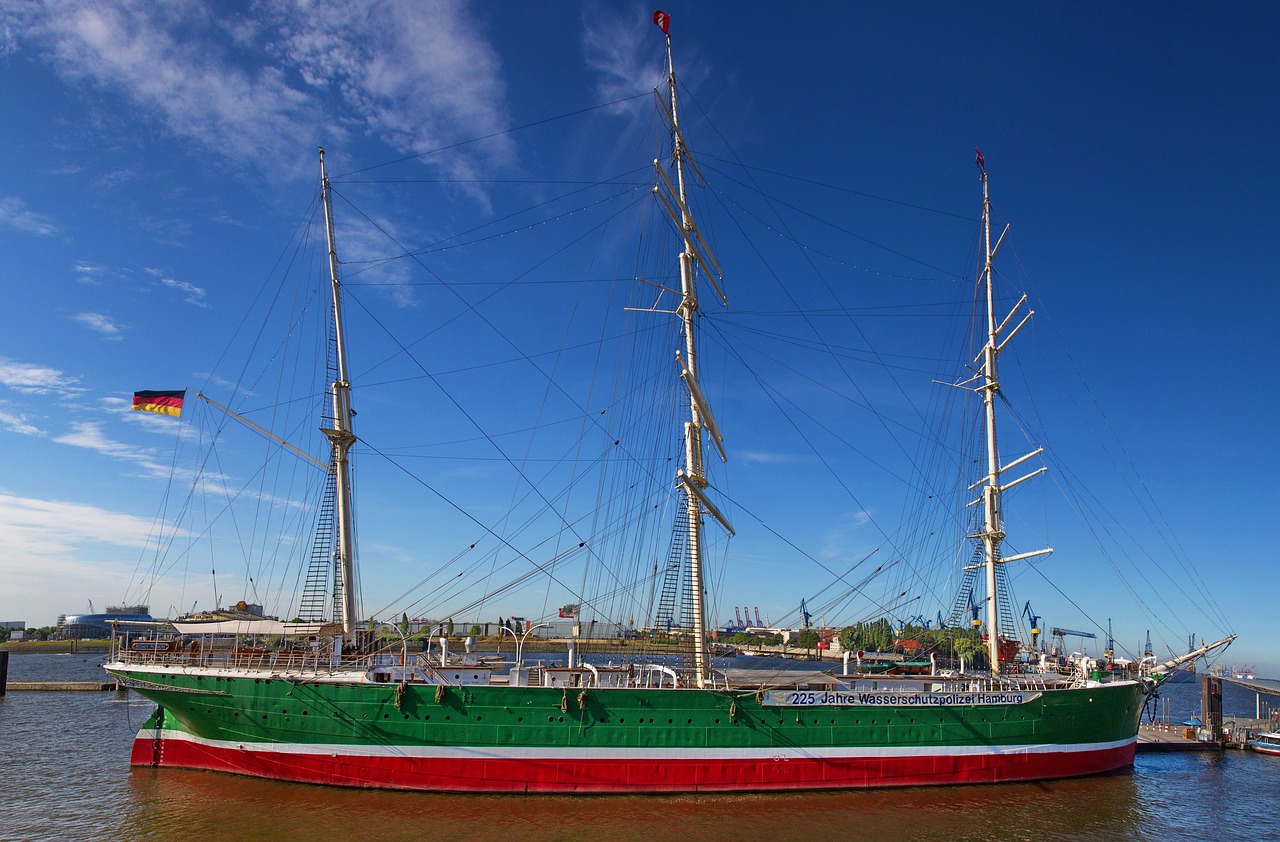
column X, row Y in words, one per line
column 155, row 162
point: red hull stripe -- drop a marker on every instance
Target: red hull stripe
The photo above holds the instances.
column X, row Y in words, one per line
column 472, row 771
column 549, row 753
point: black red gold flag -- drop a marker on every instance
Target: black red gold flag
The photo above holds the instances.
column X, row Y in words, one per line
column 166, row 403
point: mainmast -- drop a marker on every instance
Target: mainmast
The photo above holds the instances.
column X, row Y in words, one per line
column 341, row 438
column 992, row 534
column 692, row 478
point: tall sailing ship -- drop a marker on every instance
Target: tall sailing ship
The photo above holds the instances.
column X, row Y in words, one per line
column 319, row 700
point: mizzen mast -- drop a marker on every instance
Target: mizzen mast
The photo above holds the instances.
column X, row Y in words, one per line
column 341, row 437
column 988, row 385
column 692, row 477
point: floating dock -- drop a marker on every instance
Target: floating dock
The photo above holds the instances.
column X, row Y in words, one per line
column 1168, row 738
column 62, row 685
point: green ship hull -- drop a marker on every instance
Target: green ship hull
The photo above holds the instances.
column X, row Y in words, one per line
column 494, row 738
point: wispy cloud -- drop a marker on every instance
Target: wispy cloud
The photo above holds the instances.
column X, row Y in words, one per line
column 89, row 435
column 112, row 179
column 619, row 46
column 14, row 213
column 89, row 274
column 99, row 323
column 34, row 379
column 34, row 528
column 619, row 49
column 842, row 537
column 416, row 70
column 16, row 422
column 255, row 89
column 366, row 242
column 763, row 457
column 192, row 294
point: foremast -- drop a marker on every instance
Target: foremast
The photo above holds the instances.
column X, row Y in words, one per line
column 988, row 385
column 691, row 479
column 341, row 437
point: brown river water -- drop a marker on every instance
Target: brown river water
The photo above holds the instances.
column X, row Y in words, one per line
column 64, row 775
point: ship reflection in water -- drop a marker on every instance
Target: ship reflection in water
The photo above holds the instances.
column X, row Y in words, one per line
column 173, row 802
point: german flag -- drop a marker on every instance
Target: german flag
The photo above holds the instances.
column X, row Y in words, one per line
column 166, row 403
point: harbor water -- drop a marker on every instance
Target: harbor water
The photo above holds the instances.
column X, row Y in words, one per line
column 66, row 776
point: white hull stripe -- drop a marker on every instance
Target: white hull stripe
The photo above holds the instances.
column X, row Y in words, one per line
column 624, row 753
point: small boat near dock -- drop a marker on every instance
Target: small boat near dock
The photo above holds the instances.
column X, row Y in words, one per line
column 1267, row 742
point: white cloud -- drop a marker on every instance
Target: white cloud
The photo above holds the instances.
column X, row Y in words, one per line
column 100, row 324
column 620, row 49
column 620, row 43
column 14, row 213
column 47, row 544
column 16, row 422
column 193, row 294
column 89, row 435
column 89, row 274
column 31, row 379
column 762, row 457
column 842, row 536
column 258, row 89
column 114, row 179
column 147, row 52
column 49, row 527
column 366, row 242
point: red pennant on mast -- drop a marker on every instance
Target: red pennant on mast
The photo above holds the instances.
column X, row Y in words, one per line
column 663, row 21
column 980, row 161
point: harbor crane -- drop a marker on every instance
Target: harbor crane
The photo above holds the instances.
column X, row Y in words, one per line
column 1060, row 635
column 1034, row 619
column 804, row 612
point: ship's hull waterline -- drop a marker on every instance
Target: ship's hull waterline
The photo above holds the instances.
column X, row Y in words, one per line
column 492, row 738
